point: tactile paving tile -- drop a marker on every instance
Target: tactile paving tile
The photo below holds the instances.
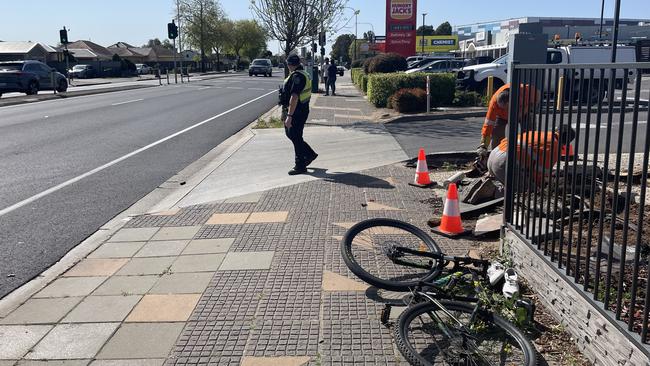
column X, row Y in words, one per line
column 348, row 337
column 283, row 338
column 203, row 342
column 289, row 305
column 350, row 305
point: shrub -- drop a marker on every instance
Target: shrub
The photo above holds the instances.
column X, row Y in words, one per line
column 387, row 62
column 468, row 99
column 356, row 64
column 382, row 86
column 363, row 83
column 409, row 100
column 354, row 74
column 366, row 64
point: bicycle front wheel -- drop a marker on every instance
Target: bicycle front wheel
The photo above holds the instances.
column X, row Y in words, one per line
column 429, row 335
column 373, row 250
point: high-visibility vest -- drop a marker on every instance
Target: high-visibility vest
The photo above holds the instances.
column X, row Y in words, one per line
column 305, row 94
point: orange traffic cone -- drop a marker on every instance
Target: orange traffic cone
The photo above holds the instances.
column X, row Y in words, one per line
column 451, row 225
column 422, row 178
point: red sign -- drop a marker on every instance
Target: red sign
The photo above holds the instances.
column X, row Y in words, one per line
column 401, row 23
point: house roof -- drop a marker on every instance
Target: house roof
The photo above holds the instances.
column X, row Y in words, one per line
column 94, row 47
column 125, row 52
column 120, row 45
column 82, row 53
column 49, row 49
column 17, row 47
column 144, row 51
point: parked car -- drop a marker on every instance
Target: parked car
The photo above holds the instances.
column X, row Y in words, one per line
column 440, row 66
column 143, row 69
column 82, row 72
column 475, row 77
column 340, row 70
column 29, row 77
column 281, row 65
column 261, row 66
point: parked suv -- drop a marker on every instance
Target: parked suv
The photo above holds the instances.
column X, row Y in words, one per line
column 143, row 69
column 82, row 72
column 29, row 77
column 261, row 66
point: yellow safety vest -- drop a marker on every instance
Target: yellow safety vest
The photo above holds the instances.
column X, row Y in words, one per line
column 305, row 94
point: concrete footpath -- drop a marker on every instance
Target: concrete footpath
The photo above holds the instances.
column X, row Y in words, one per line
column 239, row 265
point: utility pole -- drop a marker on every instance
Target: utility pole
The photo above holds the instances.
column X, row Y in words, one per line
column 356, row 34
column 617, row 18
column 423, row 28
column 180, row 43
column 201, row 38
column 602, row 13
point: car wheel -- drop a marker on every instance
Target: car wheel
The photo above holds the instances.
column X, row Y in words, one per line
column 271, row 74
column 250, row 75
column 62, row 87
column 32, row 88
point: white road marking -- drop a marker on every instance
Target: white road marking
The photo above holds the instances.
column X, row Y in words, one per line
column 234, row 87
column 128, row 101
column 256, row 89
column 205, row 87
column 76, row 179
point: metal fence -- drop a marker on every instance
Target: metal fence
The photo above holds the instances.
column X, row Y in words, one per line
column 579, row 196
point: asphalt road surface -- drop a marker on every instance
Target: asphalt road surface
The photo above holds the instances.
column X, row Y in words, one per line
column 69, row 166
column 464, row 134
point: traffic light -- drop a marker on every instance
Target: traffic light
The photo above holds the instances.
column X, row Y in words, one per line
column 63, row 36
column 314, row 48
column 172, row 30
column 322, row 38
column 322, row 51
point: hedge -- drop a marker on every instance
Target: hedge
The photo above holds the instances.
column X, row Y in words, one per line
column 409, row 100
column 354, row 73
column 383, row 86
column 386, row 63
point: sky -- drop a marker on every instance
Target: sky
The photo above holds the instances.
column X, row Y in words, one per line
column 135, row 22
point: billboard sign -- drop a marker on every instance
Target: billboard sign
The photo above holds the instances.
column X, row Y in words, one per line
column 401, row 18
column 438, row 43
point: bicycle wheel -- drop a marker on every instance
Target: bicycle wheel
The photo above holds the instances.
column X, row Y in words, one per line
column 427, row 335
column 370, row 250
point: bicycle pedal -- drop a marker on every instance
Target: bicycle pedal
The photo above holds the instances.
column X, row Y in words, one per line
column 385, row 315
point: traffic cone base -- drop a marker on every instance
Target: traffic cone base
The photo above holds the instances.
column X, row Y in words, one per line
column 451, row 225
column 422, row 179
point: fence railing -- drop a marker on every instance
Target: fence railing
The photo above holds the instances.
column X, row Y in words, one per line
column 576, row 178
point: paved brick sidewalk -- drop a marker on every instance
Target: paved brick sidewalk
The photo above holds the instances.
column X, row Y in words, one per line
column 255, row 280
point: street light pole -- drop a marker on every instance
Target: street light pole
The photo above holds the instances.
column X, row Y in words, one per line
column 617, row 18
column 356, row 34
column 422, row 40
column 602, row 13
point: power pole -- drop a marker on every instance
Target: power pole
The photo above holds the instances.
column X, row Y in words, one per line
column 201, row 38
column 180, row 43
column 423, row 28
column 356, row 33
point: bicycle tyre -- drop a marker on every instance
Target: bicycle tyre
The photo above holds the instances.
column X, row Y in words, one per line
column 409, row 352
column 382, row 283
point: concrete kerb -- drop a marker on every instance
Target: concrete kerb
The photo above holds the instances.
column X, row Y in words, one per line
column 162, row 198
column 436, row 116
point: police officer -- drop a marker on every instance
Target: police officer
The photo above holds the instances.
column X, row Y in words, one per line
column 297, row 93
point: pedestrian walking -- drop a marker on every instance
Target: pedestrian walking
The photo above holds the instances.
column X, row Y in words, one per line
column 294, row 98
column 330, row 82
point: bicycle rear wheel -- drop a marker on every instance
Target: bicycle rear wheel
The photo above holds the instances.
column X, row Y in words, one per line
column 427, row 335
column 369, row 249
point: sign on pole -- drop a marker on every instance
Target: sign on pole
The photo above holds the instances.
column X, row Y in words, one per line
column 401, row 22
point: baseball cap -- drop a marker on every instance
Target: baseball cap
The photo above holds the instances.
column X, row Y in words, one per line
column 293, row 60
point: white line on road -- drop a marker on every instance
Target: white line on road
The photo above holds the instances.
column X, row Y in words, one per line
column 205, row 87
column 234, row 87
column 58, row 187
column 128, row 101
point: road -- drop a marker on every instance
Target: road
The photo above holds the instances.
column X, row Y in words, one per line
column 463, row 134
column 69, row 166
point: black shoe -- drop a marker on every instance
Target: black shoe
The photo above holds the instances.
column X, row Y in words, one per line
column 308, row 161
column 297, row 170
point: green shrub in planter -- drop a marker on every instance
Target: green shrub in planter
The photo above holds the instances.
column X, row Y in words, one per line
column 354, row 73
column 387, row 62
column 468, row 99
column 409, row 100
column 383, row 86
column 356, row 64
column 363, row 83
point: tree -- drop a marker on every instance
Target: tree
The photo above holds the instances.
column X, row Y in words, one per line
column 444, row 29
column 153, row 43
column 369, row 36
column 293, row 23
column 168, row 45
column 341, row 48
column 204, row 26
column 247, row 37
column 428, row 30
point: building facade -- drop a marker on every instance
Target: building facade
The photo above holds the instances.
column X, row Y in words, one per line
column 491, row 38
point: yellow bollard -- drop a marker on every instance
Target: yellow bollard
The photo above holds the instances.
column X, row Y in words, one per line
column 490, row 87
column 560, row 93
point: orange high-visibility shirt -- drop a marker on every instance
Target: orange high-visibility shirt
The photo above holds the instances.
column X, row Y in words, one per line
column 494, row 112
column 540, row 150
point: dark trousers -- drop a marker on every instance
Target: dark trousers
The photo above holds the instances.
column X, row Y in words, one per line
column 302, row 150
column 330, row 83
